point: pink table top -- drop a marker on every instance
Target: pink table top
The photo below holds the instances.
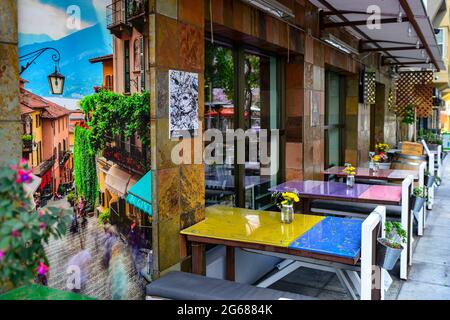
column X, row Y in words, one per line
column 339, row 191
column 388, row 193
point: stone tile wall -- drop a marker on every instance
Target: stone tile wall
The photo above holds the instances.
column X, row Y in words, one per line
column 10, row 122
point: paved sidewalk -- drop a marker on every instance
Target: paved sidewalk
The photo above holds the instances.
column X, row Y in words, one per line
column 429, row 275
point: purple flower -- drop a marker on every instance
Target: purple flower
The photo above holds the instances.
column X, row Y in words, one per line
column 2, row 255
column 15, row 233
column 42, row 269
column 42, row 225
column 23, row 176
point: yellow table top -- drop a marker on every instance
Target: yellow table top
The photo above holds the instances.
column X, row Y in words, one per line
column 251, row 226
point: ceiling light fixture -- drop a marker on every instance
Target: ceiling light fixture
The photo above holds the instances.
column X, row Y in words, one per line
column 400, row 17
column 418, row 44
column 422, row 52
column 272, row 7
column 339, row 44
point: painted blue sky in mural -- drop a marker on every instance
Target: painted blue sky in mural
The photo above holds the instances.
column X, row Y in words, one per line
column 77, row 28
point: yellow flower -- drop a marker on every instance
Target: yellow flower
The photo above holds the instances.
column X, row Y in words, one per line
column 291, row 196
column 376, row 158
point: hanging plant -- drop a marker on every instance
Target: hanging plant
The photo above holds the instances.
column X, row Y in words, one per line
column 112, row 114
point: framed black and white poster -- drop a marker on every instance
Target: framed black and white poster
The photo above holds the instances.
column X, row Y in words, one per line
column 183, row 103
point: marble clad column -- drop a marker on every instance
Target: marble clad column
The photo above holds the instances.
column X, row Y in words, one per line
column 176, row 43
column 10, row 123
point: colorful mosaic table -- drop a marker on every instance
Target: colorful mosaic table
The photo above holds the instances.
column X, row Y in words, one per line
column 366, row 173
column 324, row 238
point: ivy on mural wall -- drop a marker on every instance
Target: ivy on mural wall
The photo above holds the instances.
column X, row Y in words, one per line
column 84, row 166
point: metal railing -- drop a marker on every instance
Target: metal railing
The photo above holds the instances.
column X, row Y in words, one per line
column 128, row 155
column 116, row 13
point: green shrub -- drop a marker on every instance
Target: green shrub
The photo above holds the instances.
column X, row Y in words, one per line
column 103, row 218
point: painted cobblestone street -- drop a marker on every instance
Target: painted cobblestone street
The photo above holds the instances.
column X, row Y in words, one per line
column 98, row 279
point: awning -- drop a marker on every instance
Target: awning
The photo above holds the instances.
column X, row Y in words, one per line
column 33, row 186
column 406, row 36
column 117, row 180
column 140, row 195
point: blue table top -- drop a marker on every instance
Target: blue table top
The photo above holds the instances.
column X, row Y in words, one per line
column 333, row 236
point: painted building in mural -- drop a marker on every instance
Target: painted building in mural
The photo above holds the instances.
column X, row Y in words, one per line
column 125, row 72
column 46, row 140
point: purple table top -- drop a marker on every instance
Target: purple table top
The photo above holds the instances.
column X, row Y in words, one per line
column 382, row 174
column 333, row 190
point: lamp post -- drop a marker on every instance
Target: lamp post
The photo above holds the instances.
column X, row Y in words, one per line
column 55, row 79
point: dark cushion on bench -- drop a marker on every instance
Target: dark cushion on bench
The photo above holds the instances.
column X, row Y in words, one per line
column 354, row 207
column 187, row 286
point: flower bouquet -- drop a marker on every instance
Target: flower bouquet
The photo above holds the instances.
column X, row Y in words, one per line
column 285, row 202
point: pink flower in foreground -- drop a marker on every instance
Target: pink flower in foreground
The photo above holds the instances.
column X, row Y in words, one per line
column 15, row 233
column 42, row 225
column 42, row 269
column 23, row 176
column 40, row 213
column 2, row 255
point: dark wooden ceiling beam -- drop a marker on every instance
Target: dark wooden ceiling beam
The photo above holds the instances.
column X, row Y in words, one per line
column 360, row 22
column 338, row 12
column 403, row 63
column 387, row 41
column 410, row 14
column 391, row 49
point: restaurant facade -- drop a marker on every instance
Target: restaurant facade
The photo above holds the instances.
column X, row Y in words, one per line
column 331, row 94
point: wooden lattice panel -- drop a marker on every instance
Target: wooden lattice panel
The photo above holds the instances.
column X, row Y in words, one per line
column 415, row 88
column 370, row 88
column 391, row 98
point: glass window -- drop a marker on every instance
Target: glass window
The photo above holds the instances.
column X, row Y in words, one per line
column 260, row 113
column 333, row 120
column 126, row 67
column 440, row 37
column 245, row 184
column 219, row 114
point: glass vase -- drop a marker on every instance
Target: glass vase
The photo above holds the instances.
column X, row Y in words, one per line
column 287, row 213
column 376, row 166
column 350, row 181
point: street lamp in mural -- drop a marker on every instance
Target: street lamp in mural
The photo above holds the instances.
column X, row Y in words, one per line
column 55, row 79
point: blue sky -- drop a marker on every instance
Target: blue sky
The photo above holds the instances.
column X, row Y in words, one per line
column 50, row 17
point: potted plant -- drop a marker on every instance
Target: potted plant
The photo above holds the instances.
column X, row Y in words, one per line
column 390, row 248
column 382, row 149
column 407, row 123
column 430, row 180
column 285, row 202
column 350, row 171
column 417, row 199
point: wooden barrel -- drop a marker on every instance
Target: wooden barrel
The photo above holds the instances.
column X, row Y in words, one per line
column 407, row 162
